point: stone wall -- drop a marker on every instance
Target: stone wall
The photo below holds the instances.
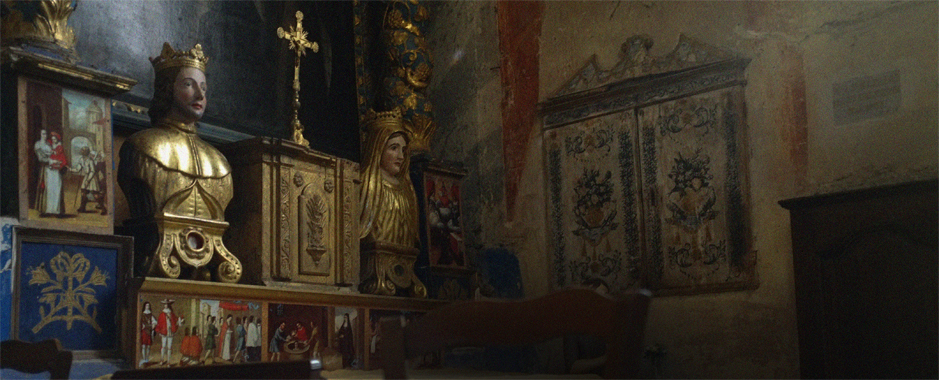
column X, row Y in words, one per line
column 466, row 89
column 249, row 74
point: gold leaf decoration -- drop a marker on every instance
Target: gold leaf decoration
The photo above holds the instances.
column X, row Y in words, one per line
column 69, row 296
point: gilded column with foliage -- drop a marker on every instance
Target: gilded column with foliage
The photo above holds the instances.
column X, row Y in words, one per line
column 409, row 69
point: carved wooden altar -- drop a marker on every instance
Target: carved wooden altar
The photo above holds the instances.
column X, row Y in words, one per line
column 646, row 173
column 294, row 218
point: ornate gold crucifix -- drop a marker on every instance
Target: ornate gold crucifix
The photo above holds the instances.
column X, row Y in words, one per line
column 299, row 43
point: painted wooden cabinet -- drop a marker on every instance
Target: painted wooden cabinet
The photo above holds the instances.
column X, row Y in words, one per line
column 646, row 173
column 867, row 294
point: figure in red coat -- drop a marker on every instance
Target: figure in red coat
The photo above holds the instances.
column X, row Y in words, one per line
column 167, row 324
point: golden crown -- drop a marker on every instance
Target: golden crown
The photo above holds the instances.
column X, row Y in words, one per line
column 374, row 119
column 170, row 58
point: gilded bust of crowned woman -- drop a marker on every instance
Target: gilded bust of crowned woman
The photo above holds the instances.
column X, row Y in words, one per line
column 389, row 201
column 176, row 184
column 389, row 208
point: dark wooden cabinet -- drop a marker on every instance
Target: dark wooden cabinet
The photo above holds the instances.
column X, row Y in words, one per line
column 865, row 266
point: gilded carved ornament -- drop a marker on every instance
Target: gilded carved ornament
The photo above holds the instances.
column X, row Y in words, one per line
column 296, row 38
column 68, row 294
column 43, row 23
column 170, row 58
column 409, row 66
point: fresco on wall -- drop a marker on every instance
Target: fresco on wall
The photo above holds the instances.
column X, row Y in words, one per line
column 594, row 216
column 180, row 331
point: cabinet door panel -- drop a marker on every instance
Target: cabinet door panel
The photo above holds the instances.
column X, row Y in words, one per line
column 593, row 213
column 693, row 190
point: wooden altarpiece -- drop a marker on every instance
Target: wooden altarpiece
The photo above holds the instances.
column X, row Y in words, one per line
column 646, row 173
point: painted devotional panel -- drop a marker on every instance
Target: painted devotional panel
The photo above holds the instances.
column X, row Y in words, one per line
column 594, row 205
column 297, row 332
column 373, row 334
column 695, row 208
column 185, row 331
column 347, row 332
column 446, row 246
column 65, row 158
column 67, row 286
column 6, row 273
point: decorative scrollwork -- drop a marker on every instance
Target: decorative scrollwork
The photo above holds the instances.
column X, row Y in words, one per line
column 389, row 270
column 229, row 270
column 169, row 266
column 409, row 69
column 284, row 227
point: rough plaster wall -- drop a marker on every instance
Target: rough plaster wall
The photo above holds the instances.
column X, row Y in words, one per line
column 466, row 89
column 799, row 51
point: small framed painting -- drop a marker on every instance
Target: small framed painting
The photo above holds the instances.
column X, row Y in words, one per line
column 65, row 159
column 445, row 243
column 297, row 332
column 68, row 285
column 347, row 329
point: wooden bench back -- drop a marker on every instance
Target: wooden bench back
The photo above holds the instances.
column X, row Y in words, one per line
column 620, row 322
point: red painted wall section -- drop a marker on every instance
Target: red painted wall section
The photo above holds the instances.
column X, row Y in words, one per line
column 519, row 39
column 794, row 114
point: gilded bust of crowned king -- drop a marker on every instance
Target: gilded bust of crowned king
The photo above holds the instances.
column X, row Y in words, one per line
column 176, row 184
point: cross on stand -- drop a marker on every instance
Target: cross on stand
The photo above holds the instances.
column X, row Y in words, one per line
column 296, row 37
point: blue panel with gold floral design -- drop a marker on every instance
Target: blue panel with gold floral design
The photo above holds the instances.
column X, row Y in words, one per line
column 68, row 292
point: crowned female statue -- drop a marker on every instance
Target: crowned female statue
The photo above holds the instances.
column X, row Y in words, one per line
column 389, row 208
column 176, row 184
